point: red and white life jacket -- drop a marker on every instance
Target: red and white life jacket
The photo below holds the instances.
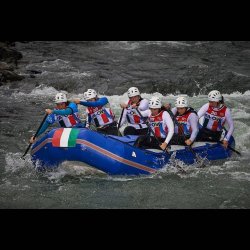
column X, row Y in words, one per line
column 183, row 127
column 215, row 118
column 68, row 121
column 101, row 116
column 133, row 116
column 156, row 124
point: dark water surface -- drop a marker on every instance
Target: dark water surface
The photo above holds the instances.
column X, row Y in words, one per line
column 161, row 68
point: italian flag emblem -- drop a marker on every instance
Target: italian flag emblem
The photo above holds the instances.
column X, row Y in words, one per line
column 65, row 137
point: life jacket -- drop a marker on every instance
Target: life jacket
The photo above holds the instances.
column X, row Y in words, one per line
column 215, row 119
column 68, row 121
column 182, row 127
column 101, row 116
column 156, row 124
column 133, row 117
column 169, row 112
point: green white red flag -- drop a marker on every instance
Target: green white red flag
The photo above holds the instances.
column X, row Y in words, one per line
column 65, row 137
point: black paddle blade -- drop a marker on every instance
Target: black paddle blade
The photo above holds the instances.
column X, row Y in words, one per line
column 183, row 171
column 234, row 150
column 26, row 151
column 44, row 118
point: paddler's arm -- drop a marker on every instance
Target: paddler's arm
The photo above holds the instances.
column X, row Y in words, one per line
column 50, row 120
column 203, row 110
column 67, row 111
column 100, row 102
column 170, row 125
column 193, row 120
column 230, row 122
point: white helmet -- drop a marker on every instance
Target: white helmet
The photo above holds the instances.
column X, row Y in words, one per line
column 155, row 103
column 60, row 97
column 133, row 91
column 181, row 102
column 214, row 96
column 89, row 94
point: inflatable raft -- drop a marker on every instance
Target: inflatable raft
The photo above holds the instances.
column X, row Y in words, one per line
column 115, row 155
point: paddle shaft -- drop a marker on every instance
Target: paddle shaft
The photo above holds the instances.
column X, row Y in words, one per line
column 182, row 134
column 234, row 150
column 35, row 135
column 119, row 124
column 164, row 150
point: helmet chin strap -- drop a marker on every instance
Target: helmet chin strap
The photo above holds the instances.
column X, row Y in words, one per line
column 219, row 106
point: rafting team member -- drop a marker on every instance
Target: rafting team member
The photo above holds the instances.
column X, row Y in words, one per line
column 65, row 114
column 137, row 125
column 100, row 116
column 160, row 122
column 186, row 122
column 215, row 114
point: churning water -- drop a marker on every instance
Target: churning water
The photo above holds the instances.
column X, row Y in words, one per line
column 156, row 68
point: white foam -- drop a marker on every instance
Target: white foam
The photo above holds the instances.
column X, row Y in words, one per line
column 240, row 114
column 238, row 94
column 58, row 63
column 171, row 43
column 15, row 163
column 178, row 44
column 240, row 176
column 44, row 91
column 123, row 45
column 41, row 90
column 71, row 74
column 239, row 74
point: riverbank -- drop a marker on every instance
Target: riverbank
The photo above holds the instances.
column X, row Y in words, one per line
column 9, row 57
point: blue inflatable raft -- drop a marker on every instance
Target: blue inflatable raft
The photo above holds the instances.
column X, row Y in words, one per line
column 113, row 154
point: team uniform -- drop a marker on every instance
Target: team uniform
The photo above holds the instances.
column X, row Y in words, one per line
column 137, row 124
column 213, row 123
column 162, row 126
column 65, row 118
column 100, row 116
column 186, row 126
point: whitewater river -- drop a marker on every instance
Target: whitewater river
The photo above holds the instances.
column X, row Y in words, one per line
column 111, row 68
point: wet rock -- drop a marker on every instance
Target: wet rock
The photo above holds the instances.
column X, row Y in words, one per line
column 7, row 75
column 8, row 61
column 34, row 71
column 9, row 55
column 5, row 66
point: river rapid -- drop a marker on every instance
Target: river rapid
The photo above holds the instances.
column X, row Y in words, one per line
column 164, row 69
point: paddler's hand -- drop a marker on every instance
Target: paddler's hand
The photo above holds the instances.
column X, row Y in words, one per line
column 225, row 143
column 48, row 111
column 76, row 101
column 134, row 106
column 123, row 105
column 164, row 145
column 188, row 142
column 32, row 139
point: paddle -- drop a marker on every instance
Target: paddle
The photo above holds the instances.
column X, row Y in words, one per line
column 198, row 157
column 34, row 136
column 159, row 142
column 152, row 131
column 234, row 150
column 119, row 124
